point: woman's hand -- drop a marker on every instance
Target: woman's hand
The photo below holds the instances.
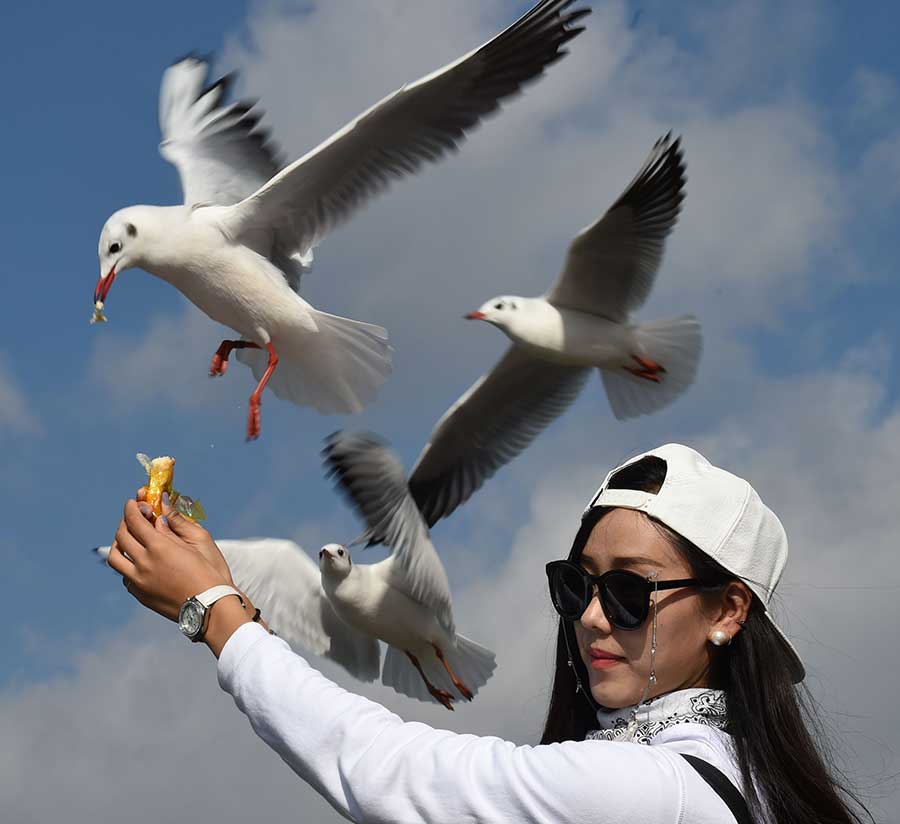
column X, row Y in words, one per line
column 163, row 567
column 194, row 536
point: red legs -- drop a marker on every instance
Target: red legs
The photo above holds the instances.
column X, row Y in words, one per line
column 441, row 695
column 220, row 360
column 647, row 369
column 254, row 416
column 464, row 690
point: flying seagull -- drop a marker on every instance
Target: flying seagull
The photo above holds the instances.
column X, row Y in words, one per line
column 238, row 246
column 403, row 600
column 582, row 323
column 285, row 584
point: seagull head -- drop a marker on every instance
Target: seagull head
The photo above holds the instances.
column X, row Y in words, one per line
column 121, row 247
column 334, row 559
column 501, row 311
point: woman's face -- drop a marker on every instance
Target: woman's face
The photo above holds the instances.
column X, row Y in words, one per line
column 618, row 661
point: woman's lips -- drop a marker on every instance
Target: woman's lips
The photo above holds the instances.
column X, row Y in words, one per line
column 604, row 660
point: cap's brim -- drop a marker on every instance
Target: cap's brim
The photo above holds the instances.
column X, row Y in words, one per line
column 795, row 665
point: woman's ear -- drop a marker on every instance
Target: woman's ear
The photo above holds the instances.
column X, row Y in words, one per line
column 732, row 607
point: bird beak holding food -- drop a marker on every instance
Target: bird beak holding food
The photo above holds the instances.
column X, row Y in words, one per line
column 104, row 285
column 475, row 316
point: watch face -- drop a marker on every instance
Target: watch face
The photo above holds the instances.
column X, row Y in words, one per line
column 190, row 620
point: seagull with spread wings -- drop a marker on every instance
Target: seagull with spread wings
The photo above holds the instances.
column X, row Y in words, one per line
column 285, row 584
column 583, row 323
column 403, row 600
column 245, row 234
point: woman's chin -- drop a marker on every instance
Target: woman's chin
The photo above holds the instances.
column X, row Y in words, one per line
column 613, row 692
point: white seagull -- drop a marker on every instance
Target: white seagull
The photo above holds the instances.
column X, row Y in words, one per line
column 239, row 244
column 582, row 323
column 285, row 584
column 403, row 600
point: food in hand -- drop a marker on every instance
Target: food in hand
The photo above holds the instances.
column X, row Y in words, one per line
column 161, row 472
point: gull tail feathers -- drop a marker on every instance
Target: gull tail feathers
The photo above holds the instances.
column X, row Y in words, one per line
column 472, row 663
column 337, row 371
column 664, row 365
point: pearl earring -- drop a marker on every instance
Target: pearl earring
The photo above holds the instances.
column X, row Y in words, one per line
column 719, row 638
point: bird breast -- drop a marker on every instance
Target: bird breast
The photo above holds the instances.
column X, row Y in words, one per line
column 573, row 338
column 371, row 605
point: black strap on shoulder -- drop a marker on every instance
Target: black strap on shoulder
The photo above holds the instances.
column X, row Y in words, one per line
column 723, row 787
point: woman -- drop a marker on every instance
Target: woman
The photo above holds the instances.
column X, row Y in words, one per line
column 674, row 697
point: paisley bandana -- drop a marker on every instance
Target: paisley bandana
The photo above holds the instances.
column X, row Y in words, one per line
column 693, row 706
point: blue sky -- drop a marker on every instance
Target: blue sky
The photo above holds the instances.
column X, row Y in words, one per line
column 786, row 252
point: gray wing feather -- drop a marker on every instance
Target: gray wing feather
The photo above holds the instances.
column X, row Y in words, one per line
column 373, row 479
column 495, row 420
column 419, row 123
column 612, row 264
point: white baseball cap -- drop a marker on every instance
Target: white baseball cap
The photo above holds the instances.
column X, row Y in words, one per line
column 720, row 514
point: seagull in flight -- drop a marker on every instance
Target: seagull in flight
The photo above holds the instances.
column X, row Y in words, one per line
column 239, row 244
column 583, row 323
column 285, row 584
column 403, row 600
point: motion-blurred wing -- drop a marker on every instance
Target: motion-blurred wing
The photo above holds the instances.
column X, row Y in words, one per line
column 372, row 477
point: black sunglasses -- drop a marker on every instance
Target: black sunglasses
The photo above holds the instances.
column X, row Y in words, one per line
column 624, row 595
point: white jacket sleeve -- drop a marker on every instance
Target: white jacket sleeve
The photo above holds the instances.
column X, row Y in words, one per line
column 374, row 767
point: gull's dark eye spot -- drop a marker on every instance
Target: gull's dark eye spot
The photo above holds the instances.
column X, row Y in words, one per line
column 115, row 248
column 130, row 228
column 513, row 306
column 498, row 305
column 341, row 553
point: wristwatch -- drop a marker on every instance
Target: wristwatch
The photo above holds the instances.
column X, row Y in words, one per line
column 194, row 613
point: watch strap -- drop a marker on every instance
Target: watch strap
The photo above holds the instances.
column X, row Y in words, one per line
column 209, row 596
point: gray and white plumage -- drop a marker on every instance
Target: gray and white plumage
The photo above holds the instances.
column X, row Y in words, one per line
column 405, row 599
column 238, row 246
column 580, row 324
column 284, row 583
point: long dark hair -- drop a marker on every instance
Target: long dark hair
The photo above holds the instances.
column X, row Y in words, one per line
column 773, row 723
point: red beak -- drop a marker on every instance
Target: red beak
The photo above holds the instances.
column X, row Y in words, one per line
column 104, row 285
column 475, row 316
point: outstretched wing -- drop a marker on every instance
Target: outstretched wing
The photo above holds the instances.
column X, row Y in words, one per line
column 495, row 420
column 372, row 477
column 285, row 583
column 221, row 155
column 419, row 123
column 612, row 264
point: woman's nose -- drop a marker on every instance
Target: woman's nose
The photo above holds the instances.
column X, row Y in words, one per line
column 594, row 618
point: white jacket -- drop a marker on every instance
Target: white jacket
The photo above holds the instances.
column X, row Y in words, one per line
column 374, row 767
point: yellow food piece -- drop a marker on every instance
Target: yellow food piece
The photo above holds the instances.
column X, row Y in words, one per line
column 161, row 472
column 98, row 316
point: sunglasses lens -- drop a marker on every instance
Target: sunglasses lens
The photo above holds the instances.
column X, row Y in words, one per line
column 570, row 590
column 625, row 599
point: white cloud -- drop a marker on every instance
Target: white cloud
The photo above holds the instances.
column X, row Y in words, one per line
column 17, row 417
column 167, row 366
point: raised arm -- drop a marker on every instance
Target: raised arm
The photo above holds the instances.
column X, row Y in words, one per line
column 373, row 767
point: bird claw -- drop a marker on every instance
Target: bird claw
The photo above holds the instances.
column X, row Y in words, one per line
column 254, row 421
column 443, row 697
column 465, row 691
column 218, row 366
column 647, row 369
